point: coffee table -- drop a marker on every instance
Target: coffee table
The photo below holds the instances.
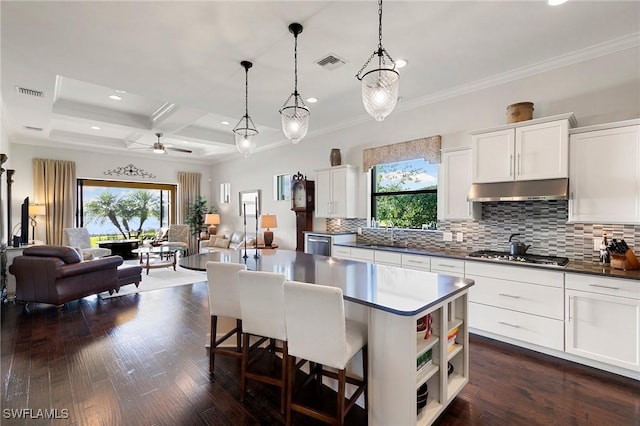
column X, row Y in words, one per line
column 163, row 256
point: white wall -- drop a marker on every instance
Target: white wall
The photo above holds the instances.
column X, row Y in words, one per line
column 597, row 91
column 93, row 165
column 4, row 149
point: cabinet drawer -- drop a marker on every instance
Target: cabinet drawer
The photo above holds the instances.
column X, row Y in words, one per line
column 522, row 297
column 517, row 325
column 415, row 261
column 341, row 252
column 362, row 254
column 388, row 258
column 515, row 273
column 441, row 264
column 601, row 285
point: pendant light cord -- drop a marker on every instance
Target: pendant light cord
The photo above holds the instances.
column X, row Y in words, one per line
column 295, row 67
column 246, row 95
column 381, row 52
column 380, row 27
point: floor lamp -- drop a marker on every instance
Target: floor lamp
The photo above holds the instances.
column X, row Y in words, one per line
column 35, row 210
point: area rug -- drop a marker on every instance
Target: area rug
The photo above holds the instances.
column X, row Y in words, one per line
column 157, row 279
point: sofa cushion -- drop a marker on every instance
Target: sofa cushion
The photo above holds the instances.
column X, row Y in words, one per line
column 237, row 237
column 66, row 254
column 221, row 243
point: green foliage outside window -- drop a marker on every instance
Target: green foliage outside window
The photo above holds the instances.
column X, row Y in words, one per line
column 404, row 194
column 124, row 210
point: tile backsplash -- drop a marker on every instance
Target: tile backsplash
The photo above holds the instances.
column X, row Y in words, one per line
column 543, row 224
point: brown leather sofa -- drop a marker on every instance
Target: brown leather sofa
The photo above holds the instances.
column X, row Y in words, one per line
column 57, row 275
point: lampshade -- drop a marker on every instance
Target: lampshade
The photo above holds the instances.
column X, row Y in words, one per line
column 212, row 219
column 37, row 210
column 268, row 221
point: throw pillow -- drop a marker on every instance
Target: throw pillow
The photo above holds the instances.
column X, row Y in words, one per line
column 221, row 243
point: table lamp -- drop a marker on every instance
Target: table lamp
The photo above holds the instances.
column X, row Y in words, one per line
column 35, row 210
column 212, row 219
column 268, row 221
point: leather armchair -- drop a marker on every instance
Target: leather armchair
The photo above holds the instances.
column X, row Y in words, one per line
column 57, row 275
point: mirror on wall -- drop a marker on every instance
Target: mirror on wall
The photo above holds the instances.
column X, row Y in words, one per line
column 282, row 187
column 225, row 193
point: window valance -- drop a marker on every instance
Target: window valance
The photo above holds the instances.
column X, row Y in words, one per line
column 427, row 148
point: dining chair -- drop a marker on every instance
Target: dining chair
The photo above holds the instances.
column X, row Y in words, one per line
column 224, row 301
column 318, row 332
column 262, row 307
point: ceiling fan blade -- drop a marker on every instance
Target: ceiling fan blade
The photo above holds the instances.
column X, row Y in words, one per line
column 170, row 148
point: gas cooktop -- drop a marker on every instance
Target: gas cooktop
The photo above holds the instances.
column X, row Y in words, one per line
column 525, row 258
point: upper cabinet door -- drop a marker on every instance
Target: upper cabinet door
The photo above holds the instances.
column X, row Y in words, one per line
column 454, row 184
column 542, row 151
column 493, row 156
column 323, row 193
column 605, row 176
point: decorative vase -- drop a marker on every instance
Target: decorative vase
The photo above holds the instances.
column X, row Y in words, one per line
column 335, row 157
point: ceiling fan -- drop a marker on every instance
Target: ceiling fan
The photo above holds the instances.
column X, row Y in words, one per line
column 160, row 148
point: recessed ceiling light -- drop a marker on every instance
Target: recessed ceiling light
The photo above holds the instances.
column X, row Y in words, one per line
column 120, row 91
column 95, row 127
column 556, row 2
column 401, row 63
column 115, row 97
column 226, row 123
column 312, row 100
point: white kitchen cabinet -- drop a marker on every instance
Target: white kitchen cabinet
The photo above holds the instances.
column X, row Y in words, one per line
column 448, row 266
column 387, row 258
column 524, row 304
column 529, row 150
column 336, row 189
column 605, row 173
column 454, row 184
column 603, row 319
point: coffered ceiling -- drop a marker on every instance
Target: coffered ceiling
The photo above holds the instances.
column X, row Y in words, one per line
column 176, row 65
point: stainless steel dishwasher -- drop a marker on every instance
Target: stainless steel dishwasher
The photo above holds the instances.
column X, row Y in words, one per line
column 318, row 244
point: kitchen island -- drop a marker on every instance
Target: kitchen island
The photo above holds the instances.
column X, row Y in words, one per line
column 390, row 300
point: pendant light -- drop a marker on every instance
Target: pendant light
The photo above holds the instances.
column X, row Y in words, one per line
column 379, row 86
column 245, row 131
column 295, row 116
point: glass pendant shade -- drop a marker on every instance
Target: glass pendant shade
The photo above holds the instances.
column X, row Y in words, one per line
column 295, row 120
column 380, row 92
column 245, row 131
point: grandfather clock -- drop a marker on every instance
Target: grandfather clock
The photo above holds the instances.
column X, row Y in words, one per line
column 302, row 203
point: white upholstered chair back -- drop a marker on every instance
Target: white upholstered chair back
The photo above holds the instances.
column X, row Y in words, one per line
column 76, row 237
column 262, row 304
column 178, row 234
column 316, row 325
column 224, row 296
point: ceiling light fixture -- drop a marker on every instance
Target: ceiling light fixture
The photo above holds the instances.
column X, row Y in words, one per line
column 295, row 117
column 158, row 147
column 115, row 97
column 226, row 123
column 95, row 127
column 312, row 100
column 245, row 130
column 401, row 63
column 379, row 86
column 556, row 2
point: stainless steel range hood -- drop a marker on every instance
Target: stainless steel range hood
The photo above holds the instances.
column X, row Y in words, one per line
column 549, row 189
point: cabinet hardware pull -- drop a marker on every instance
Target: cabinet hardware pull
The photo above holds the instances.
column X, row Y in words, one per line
column 508, row 295
column 604, row 286
column 443, row 265
column 414, row 261
column 509, row 324
column 518, row 164
column 569, row 308
column 511, row 165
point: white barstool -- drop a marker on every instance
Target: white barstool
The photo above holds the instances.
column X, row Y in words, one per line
column 262, row 305
column 318, row 332
column 224, row 301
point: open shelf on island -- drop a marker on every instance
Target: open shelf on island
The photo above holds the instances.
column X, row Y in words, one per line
column 426, row 372
column 454, row 350
column 425, row 344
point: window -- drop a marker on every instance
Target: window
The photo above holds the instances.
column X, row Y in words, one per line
column 404, row 193
column 123, row 210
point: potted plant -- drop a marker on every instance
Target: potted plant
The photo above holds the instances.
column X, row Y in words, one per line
column 195, row 217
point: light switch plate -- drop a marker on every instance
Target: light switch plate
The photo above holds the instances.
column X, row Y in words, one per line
column 596, row 244
column 447, row 236
column 459, row 237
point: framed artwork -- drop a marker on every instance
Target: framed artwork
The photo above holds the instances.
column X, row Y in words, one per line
column 250, row 200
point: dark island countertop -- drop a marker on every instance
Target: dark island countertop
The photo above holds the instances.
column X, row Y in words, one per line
column 574, row 266
column 328, row 233
column 392, row 289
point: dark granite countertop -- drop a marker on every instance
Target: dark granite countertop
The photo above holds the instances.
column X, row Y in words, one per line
column 328, row 233
column 574, row 266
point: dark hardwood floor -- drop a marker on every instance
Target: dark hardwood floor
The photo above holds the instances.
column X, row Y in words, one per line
column 141, row 360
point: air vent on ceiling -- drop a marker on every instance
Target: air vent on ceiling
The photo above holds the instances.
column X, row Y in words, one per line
column 331, row 62
column 30, row 92
column 35, row 129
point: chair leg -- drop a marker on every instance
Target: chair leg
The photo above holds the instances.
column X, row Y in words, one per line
column 342, row 377
column 243, row 369
column 365, row 375
column 290, row 381
column 239, row 335
column 283, row 376
column 212, row 343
